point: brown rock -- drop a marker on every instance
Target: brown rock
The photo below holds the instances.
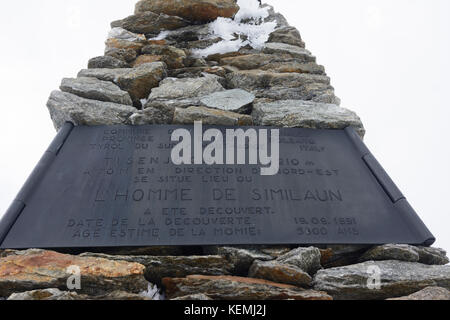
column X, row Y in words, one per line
column 149, row 22
column 126, row 55
column 194, row 10
column 237, row 288
column 40, row 269
column 123, row 44
column 430, row 293
column 146, row 58
column 173, row 57
column 281, row 273
column 210, row 116
column 56, row 294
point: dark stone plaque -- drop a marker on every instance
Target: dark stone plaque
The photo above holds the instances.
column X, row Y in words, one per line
column 114, row 186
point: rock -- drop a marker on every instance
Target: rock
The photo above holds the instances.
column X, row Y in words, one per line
column 281, row 273
column 399, row 252
column 396, row 279
column 241, row 258
column 305, row 114
column 150, row 22
column 122, row 34
column 287, row 35
column 107, row 62
column 294, row 51
column 111, row 44
column 276, row 17
column 172, row 88
column 210, row 117
column 146, row 58
column 172, row 56
column 284, row 86
column 237, row 288
column 68, row 107
column 294, row 66
column 306, row 259
column 139, row 81
column 194, row 297
column 193, row 10
column 56, row 294
column 403, row 252
column 92, row 88
column 40, row 269
column 126, row 55
column 175, row 267
column 46, row 294
column 248, row 61
column 341, row 255
column 235, row 100
column 163, row 115
column 429, row 293
column 432, row 256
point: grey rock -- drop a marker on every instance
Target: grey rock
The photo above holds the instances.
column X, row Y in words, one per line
column 46, row 294
column 104, row 74
column 241, row 258
column 68, row 107
column 237, row 288
column 306, row 259
column 284, row 48
column 305, row 114
column 92, row 88
column 149, row 22
column 432, row 256
column 396, row 279
column 429, row 294
column 194, row 297
column 210, row 117
column 107, row 62
column 163, row 115
column 235, row 100
column 126, row 55
column 122, row 34
column 280, row 273
column 173, row 88
column 172, row 56
column 403, row 252
column 176, row 266
column 288, row 35
column 283, row 86
column 276, row 17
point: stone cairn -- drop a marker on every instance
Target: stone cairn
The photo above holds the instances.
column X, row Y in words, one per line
column 173, row 63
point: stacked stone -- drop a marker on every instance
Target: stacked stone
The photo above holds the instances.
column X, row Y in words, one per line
column 143, row 79
column 150, row 74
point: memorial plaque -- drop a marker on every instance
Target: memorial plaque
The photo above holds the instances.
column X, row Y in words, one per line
column 112, row 186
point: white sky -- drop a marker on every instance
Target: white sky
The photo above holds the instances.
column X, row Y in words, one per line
column 388, row 60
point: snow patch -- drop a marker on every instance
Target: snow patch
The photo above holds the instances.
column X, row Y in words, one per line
column 161, row 36
column 247, row 28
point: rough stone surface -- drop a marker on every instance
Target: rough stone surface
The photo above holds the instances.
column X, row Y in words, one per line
column 241, row 258
column 429, row 293
column 287, row 35
column 396, row 279
column 281, row 273
column 126, row 55
column 149, row 22
column 235, row 100
column 162, row 115
column 402, row 252
column 284, row 86
column 172, row 88
column 194, row 297
column 237, row 288
column 157, row 268
column 210, row 117
column 39, row 269
column 56, row 294
column 341, row 255
column 107, row 62
column 294, row 51
column 305, row 114
column 306, row 259
column 172, row 56
column 194, row 10
column 68, row 107
column 92, row 88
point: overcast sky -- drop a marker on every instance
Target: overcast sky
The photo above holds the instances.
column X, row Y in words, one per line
column 388, row 61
